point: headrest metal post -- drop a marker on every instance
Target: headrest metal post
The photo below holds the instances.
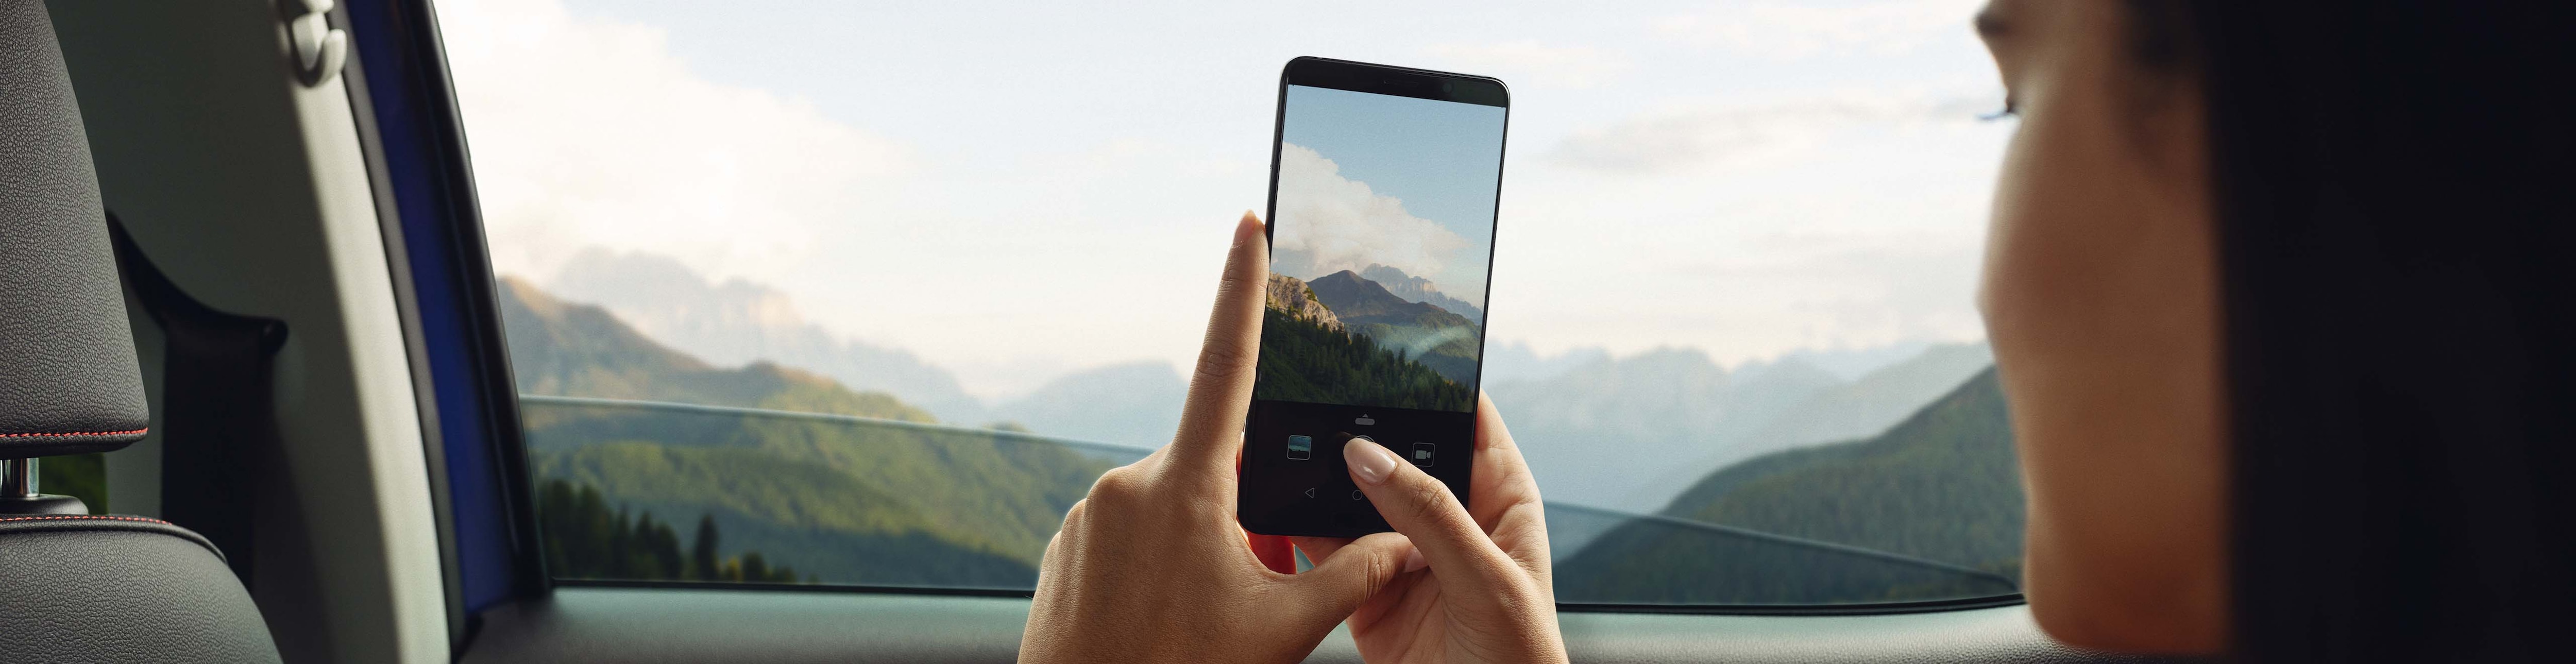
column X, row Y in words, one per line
column 18, row 478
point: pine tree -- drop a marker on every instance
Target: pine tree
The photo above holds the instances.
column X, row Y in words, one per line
column 702, row 551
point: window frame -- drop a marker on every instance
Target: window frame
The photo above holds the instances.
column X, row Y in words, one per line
column 414, row 133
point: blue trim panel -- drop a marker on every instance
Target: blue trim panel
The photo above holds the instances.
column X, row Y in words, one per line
column 423, row 150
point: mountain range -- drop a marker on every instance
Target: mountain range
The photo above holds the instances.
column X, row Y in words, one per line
column 1932, row 502
column 1855, row 409
column 739, row 323
column 877, row 500
column 560, row 348
column 1940, row 490
column 1312, row 352
column 1628, row 432
column 1631, row 432
column 1425, row 333
column 1421, row 290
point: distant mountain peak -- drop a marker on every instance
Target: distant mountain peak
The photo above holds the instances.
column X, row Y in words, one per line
column 734, row 322
column 1418, row 289
column 1346, row 279
column 565, row 348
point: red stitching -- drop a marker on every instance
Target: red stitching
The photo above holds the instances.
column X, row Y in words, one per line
column 66, row 517
column 74, row 433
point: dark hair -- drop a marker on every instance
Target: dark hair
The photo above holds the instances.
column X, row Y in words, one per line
column 2399, row 265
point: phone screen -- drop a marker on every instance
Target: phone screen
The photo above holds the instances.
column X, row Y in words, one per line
column 1383, row 197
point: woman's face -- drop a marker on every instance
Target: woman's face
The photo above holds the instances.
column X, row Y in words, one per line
column 2101, row 298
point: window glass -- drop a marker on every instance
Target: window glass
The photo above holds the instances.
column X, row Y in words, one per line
column 868, row 293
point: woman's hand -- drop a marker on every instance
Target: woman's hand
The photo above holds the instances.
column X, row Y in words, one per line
column 1486, row 596
column 1152, row 567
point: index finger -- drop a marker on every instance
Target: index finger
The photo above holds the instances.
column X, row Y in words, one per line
column 1502, row 477
column 1221, row 387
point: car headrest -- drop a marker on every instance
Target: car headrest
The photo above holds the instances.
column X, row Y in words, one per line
column 68, row 379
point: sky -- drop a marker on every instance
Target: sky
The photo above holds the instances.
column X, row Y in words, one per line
column 1381, row 179
column 1017, row 190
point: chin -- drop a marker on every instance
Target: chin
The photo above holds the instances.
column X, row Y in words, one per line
column 2137, row 613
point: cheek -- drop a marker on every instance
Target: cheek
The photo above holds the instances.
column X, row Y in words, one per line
column 2022, row 239
column 2069, row 250
column 2100, row 302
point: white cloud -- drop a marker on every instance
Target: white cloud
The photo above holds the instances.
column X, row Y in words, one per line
column 1745, row 133
column 1328, row 223
column 1783, row 31
column 589, row 133
column 1578, row 67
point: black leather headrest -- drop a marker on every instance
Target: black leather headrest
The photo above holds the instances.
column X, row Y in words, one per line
column 68, row 380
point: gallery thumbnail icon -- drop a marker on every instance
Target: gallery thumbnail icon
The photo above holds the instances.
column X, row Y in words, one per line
column 1301, row 447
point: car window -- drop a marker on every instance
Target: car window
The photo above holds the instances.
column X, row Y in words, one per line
column 868, row 294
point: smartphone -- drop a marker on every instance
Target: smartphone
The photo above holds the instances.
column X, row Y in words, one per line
column 1383, row 186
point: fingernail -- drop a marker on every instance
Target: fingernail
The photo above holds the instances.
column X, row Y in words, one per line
column 1370, row 463
column 1413, row 560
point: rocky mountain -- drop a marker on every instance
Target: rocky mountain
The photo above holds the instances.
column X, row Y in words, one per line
column 1420, row 290
column 1297, row 300
column 738, row 322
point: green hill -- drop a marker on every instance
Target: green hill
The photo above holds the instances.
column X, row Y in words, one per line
column 1941, row 486
column 843, row 501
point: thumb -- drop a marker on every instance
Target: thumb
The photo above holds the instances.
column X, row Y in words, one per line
column 1422, row 508
column 1356, row 572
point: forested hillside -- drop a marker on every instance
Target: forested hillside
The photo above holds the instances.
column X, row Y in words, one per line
column 1942, row 486
column 1307, row 362
column 587, row 539
column 844, row 501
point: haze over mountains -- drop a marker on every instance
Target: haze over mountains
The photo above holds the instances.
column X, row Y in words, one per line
column 738, row 322
column 1425, row 333
column 1626, row 432
column 1421, row 290
column 1629, row 433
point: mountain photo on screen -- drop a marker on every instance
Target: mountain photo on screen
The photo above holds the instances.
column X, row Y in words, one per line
column 1381, row 236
